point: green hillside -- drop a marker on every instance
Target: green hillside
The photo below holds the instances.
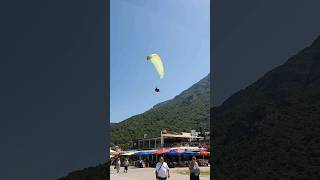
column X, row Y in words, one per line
column 271, row 130
column 189, row 110
column 92, row 173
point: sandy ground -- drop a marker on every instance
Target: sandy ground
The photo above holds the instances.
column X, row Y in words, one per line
column 148, row 174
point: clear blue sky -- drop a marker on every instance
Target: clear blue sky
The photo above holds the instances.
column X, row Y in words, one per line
column 177, row 30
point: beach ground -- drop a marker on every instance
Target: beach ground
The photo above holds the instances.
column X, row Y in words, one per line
column 148, row 174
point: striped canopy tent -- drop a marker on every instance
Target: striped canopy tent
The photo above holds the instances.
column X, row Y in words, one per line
column 143, row 153
column 189, row 148
column 175, row 152
column 112, row 152
column 203, row 149
column 161, row 151
column 178, row 150
column 130, row 153
column 189, row 153
column 204, row 153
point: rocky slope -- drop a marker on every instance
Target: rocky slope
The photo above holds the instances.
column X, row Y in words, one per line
column 271, row 129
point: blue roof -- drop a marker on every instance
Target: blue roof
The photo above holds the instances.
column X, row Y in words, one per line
column 143, row 154
column 189, row 153
column 173, row 153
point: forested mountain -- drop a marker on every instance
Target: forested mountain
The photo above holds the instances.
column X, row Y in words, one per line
column 92, row 173
column 271, row 129
column 189, row 110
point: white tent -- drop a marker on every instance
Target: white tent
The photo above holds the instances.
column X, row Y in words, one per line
column 189, row 148
column 112, row 152
column 130, row 153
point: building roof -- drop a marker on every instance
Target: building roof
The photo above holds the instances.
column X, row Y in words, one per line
column 178, row 135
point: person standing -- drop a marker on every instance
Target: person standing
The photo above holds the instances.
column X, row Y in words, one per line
column 162, row 170
column 126, row 164
column 194, row 169
column 118, row 164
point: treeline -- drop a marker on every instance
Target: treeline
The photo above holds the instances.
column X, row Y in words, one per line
column 187, row 111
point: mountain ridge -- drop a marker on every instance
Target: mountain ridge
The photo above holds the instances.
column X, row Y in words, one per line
column 269, row 129
column 180, row 113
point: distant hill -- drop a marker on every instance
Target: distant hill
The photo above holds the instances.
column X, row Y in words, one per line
column 271, row 129
column 189, row 110
column 92, row 173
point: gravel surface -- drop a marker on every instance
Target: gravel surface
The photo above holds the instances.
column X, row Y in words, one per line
column 148, row 174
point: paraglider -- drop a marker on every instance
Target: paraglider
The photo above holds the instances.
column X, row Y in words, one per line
column 158, row 65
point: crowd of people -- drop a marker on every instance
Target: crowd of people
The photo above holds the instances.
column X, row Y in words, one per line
column 117, row 165
column 162, row 170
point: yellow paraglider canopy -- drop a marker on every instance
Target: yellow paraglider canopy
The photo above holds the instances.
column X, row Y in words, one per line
column 157, row 63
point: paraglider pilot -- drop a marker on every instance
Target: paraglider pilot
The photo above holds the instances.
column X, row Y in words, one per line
column 157, row 63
